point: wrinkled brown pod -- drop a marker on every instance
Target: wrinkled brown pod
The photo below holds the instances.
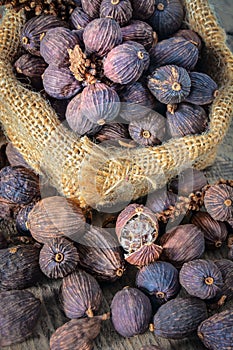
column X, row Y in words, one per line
column 140, row 32
column 58, row 258
column 79, row 19
column 8, row 209
column 101, row 255
column 143, row 9
column 22, row 217
column 145, row 255
column 77, row 334
column 120, row 10
column 19, row 267
column 181, row 244
column 19, row 313
column 3, row 241
column 30, row 66
column 19, row 185
column 14, row 157
column 161, row 200
column 188, row 181
column 112, row 131
column 218, row 201
column 215, row 233
column 203, row 89
column 91, row 7
column 55, row 217
column 189, row 35
column 80, row 295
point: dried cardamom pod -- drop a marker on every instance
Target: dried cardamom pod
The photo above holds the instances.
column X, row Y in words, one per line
column 215, row 233
column 55, row 217
column 179, row 317
column 218, row 201
column 99, row 103
column 79, row 123
column 55, row 44
column 175, row 50
column 141, row 32
column 14, row 156
column 35, row 29
column 149, row 131
column 60, row 83
column 167, row 17
column 30, row 66
column 145, row 255
column 101, row 35
column 80, row 295
column 189, row 35
column 201, row 278
column 91, row 7
column 19, row 313
column 216, row 331
column 131, row 312
column 170, row 84
column 100, row 254
column 125, row 63
column 8, row 209
column 22, row 217
column 19, row 267
column 79, row 19
column 185, row 119
column 188, row 181
column 182, row 244
column 226, row 268
column 77, row 334
column 203, row 89
column 143, row 9
column 136, row 226
column 161, row 200
column 58, row 258
column 160, row 280
column 136, row 101
column 19, row 185
column 113, row 131
column 120, row 10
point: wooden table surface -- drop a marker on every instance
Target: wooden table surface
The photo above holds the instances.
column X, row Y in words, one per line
column 52, row 317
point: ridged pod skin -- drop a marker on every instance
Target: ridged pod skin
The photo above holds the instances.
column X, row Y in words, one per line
column 218, row 202
column 19, row 267
column 160, row 280
column 167, row 17
column 145, row 255
column 91, row 7
column 185, row 119
column 226, row 268
column 80, row 295
column 8, row 209
column 189, row 180
column 18, row 184
column 99, row 103
column 79, row 123
column 216, row 331
column 35, row 29
column 101, row 35
column 77, row 334
column 79, row 19
column 60, row 83
column 143, row 9
column 55, row 44
column 30, row 66
column 136, row 226
column 203, row 89
column 131, row 312
column 112, row 131
column 14, row 156
column 230, row 253
column 215, row 233
column 182, row 244
column 100, row 254
column 120, row 10
column 150, row 347
column 149, row 131
column 125, row 63
column 177, row 51
column 55, row 217
column 160, row 200
column 21, row 219
column 58, row 258
column 140, row 32
column 170, row 84
column 137, row 101
column 179, row 318
column 189, row 35
column 201, row 278
column 19, row 313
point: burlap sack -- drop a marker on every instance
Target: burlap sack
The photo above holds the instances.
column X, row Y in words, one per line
column 97, row 175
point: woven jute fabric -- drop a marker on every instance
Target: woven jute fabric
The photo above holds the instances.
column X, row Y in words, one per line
column 98, row 175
